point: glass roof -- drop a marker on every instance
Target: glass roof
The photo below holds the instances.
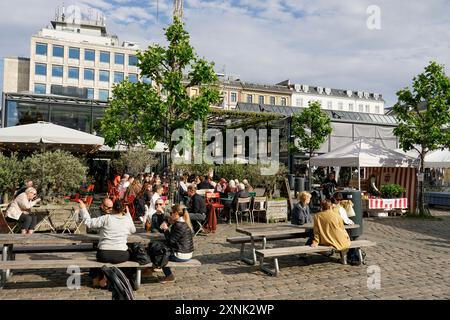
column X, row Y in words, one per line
column 333, row 114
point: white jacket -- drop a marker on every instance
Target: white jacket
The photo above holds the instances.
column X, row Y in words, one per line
column 20, row 205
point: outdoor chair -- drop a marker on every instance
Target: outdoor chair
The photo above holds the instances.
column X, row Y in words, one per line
column 246, row 211
column 259, row 206
column 11, row 226
column 213, row 200
column 72, row 222
column 199, row 219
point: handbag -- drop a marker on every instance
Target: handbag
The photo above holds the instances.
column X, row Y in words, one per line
column 139, row 253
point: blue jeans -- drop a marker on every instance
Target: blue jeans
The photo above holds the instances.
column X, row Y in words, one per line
column 166, row 270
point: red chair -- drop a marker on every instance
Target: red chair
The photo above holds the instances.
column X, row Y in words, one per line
column 89, row 200
column 91, row 188
column 213, row 202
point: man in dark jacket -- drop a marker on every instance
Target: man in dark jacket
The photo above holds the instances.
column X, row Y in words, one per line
column 197, row 207
column 205, row 184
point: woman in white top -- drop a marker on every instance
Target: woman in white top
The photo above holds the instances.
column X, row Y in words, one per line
column 336, row 199
column 114, row 231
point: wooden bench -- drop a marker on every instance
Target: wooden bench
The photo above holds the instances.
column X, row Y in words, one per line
column 85, row 262
column 275, row 253
column 247, row 239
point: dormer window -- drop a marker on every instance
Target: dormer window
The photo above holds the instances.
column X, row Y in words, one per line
column 328, row 91
column 319, row 90
column 305, row 88
column 297, row 87
column 360, row 94
column 349, row 93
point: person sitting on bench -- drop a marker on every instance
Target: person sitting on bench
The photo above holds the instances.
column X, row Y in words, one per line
column 114, row 231
column 301, row 213
column 329, row 229
column 179, row 239
column 197, row 207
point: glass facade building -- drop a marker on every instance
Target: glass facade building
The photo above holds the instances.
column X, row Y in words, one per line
column 79, row 114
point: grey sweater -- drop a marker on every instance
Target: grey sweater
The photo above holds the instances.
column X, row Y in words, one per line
column 114, row 229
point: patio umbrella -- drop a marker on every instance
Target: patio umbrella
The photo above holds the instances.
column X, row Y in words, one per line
column 48, row 136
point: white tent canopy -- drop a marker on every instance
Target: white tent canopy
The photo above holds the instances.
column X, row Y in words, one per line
column 363, row 153
column 434, row 159
column 45, row 133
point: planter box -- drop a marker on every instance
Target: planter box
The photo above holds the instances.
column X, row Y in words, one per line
column 276, row 211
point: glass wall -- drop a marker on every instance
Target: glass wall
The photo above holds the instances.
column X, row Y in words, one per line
column 71, row 116
column 82, row 117
column 19, row 113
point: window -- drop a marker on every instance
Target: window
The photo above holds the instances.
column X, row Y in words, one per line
column 58, row 51
column 89, row 55
column 103, row 95
column 132, row 61
column 90, row 93
column 104, row 57
column 74, row 53
column 118, row 77
column 283, row 101
column 119, row 58
column 340, row 106
column 330, row 105
column 361, row 108
column 261, row 99
column 89, row 74
column 41, row 49
column 299, row 102
column 367, row 108
column 74, row 73
column 56, row 89
column 350, row 107
column 104, row 76
column 272, row 100
column 133, row 77
column 40, row 69
column 377, row 109
column 57, row 71
column 249, row 98
column 233, row 97
column 39, row 88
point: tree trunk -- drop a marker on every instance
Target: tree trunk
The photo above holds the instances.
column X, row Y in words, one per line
column 421, row 195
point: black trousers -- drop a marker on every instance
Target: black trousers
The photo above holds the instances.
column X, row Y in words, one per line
column 112, row 256
column 28, row 221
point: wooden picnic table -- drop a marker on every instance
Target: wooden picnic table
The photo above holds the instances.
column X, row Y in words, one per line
column 282, row 229
column 7, row 241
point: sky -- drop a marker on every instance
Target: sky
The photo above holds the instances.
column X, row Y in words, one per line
column 363, row 45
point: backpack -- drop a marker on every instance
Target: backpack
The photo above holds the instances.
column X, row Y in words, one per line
column 159, row 253
column 139, row 254
column 353, row 257
column 118, row 284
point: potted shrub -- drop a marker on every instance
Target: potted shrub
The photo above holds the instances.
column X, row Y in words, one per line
column 390, row 191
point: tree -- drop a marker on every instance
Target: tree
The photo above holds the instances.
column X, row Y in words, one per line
column 311, row 127
column 11, row 169
column 141, row 113
column 134, row 161
column 423, row 117
column 54, row 173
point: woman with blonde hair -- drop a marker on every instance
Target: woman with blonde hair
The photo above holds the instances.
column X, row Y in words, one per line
column 179, row 238
column 301, row 213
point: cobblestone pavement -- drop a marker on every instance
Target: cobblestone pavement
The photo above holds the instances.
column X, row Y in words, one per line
column 413, row 257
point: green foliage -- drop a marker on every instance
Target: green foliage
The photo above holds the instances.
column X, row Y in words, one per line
column 195, row 169
column 11, row 171
column 311, row 127
column 134, row 161
column 139, row 113
column 423, row 114
column 54, row 173
column 392, row 190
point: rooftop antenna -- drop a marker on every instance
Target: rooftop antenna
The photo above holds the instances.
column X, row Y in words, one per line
column 178, row 8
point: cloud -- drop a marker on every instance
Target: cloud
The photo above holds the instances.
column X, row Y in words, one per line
column 320, row 42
